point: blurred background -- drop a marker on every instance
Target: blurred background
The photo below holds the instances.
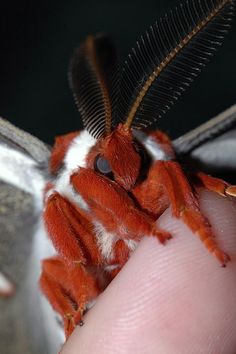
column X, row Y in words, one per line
column 38, row 38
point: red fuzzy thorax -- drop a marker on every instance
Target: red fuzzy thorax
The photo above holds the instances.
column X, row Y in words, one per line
column 95, row 221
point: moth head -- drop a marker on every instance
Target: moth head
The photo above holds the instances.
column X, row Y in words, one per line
column 164, row 62
column 117, row 156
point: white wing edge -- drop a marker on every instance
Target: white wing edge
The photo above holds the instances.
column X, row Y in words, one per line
column 21, row 171
column 206, row 132
column 219, row 153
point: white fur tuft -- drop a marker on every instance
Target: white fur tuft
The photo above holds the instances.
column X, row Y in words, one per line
column 155, row 149
column 78, row 150
column 64, row 187
column 152, row 146
column 105, row 240
column 74, row 159
column 131, row 244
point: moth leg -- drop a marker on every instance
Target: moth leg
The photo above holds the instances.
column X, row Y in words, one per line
column 121, row 252
column 112, row 206
column 216, row 185
column 231, row 191
column 70, row 232
column 54, row 283
column 212, row 184
column 69, row 289
column 121, row 256
column 73, row 238
column 84, row 286
column 185, row 205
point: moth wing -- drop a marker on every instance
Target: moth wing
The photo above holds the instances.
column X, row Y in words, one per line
column 23, row 159
column 211, row 147
column 24, row 319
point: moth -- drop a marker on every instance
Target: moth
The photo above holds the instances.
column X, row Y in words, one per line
column 101, row 190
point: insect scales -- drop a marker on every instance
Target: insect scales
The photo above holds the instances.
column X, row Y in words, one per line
column 107, row 185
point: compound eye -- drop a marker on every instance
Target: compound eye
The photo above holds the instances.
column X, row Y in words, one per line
column 142, row 153
column 101, row 165
column 145, row 160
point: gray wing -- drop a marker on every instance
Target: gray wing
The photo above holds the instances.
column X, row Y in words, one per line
column 17, row 223
column 212, row 146
column 23, row 159
column 25, row 320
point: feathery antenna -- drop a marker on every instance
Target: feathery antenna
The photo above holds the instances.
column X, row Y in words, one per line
column 168, row 58
column 91, row 77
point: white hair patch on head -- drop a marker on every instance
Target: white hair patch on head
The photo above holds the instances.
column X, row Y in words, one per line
column 74, row 159
column 78, row 150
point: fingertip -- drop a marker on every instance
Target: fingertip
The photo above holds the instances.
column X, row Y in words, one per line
column 171, row 298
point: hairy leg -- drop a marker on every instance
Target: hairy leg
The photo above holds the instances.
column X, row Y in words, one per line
column 69, row 288
column 168, row 181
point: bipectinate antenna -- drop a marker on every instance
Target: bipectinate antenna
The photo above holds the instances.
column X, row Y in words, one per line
column 92, row 77
column 168, row 57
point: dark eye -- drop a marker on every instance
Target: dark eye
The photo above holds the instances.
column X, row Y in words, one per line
column 142, row 153
column 145, row 160
column 144, row 157
column 101, row 165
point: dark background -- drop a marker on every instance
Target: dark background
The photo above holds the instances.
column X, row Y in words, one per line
column 37, row 39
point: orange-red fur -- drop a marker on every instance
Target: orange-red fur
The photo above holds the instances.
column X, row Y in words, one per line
column 60, row 148
column 126, row 208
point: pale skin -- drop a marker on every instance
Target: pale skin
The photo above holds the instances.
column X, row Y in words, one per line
column 171, row 299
